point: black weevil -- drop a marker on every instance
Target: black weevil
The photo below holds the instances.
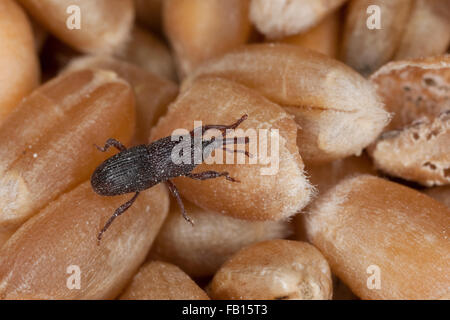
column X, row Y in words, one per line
column 141, row 167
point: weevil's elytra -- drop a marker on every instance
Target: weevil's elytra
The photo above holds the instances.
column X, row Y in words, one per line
column 141, row 167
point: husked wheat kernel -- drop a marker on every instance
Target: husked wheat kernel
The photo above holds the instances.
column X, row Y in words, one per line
column 199, row 30
column 18, row 60
column 215, row 100
column 46, row 143
column 338, row 111
column 281, row 18
column 149, row 53
column 104, row 24
column 416, row 147
column 200, row 251
column 367, row 49
column 369, row 228
column 323, row 38
column 324, row 177
column 427, row 32
column 414, row 89
column 158, row 280
column 419, row 152
column 274, row 270
column 36, row 259
column 152, row 93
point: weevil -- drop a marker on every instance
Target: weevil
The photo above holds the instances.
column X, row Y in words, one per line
column 141, row 167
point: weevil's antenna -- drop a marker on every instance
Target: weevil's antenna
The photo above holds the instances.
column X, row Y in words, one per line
column 237, row 123
column 234, row 125
column 222, row 127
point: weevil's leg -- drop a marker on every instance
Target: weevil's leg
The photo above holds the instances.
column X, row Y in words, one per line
column 117, row 213
column 111, row 143
column 173, row 189
column 205, row 175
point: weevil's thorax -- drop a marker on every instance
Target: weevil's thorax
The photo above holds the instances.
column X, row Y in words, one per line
column 171, row 159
